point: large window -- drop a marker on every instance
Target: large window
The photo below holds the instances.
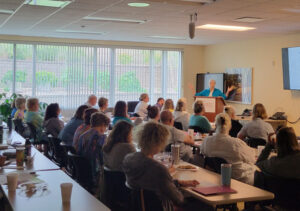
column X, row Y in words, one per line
column 67, row 74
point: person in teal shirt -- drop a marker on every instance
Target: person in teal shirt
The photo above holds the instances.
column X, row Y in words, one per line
column 214, row 92
column 198, row 119
column 120, row 113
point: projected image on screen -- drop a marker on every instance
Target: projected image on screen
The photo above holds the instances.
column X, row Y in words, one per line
column 294, row 67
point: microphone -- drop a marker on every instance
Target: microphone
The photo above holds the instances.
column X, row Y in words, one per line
column 192, row 30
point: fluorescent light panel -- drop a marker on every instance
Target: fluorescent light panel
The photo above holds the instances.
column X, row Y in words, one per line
column 79, row 32
column 138, row 4
column 48, row 3
column 248, row 19
column 292, row 10
column 6, row 12
column 167, row 37
column 92, row 18
column 224, row 27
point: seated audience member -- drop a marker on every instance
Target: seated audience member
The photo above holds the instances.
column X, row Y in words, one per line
column 141, row 107
column 103, row 104
column 52, row 124
column 32, row 114
column 14, row 109
column 91, row 142
column 169, row 105
column 143, row 172
column 233, row 150
column 120, row 112
column 92, row 101
column 160, row 103
column 20, row 105
column 286, row 163
column 181, row 115
column 257, row 128
column 83, row 127
column 236, row 126
column 198, row 119
column 177, row 136
column 118, row 145
column 67, row 133
column 153, row 113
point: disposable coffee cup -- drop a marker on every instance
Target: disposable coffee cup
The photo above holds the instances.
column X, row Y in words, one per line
column 66, row 192
column 175, row 153
column 12, row 181
column 226, row 174
column 260, row 149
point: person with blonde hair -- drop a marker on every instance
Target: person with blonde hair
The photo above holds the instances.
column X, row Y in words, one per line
column 143, row 172
column 141, row 107
column 32, row 114
column 233, row 150
column 103, row 104
column 169, row 105
column 181, row 115
column 257, row 128
column 198, row 120
column 20, row 106
column 236, row 126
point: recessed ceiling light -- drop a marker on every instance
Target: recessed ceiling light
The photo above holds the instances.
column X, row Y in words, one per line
column 167, row 37
column 248, row 19
column 293, row 10
column 79, row 32
column 48, row 3
column 138, row 4
column 6, row 12
column 224, row 27
column 92, row 18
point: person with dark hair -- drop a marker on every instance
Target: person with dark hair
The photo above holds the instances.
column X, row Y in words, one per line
column 233, row 150
column 257, row 128
column 91, row 142
column 160, row 103
column 286, row 163
column 118, row 145
column 52, row 124
column 103, row 104
column 153, row 113
column 198, row 119
column 86, row 125
column 67, row 133
column 120, row 112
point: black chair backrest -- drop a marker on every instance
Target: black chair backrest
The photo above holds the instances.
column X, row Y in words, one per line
column 131, row 105
column 145, row 198
column 214, row 163
column 19, row 127
column 115, row 191
column 254, row 142
column 56, row 151
column 197, row 129
column 83, row 171
column 178, row 125
column 286, row 191
column 33, row 133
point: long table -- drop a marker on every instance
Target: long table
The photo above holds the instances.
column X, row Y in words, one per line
column 48, row 196
column 245, row 192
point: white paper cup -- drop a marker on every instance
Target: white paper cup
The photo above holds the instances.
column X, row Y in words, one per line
column 66, row 192
column 12, row 181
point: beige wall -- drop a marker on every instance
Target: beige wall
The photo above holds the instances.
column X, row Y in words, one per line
column 192, row 55
column 264, row 56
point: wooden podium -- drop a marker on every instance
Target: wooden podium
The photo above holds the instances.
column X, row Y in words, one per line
column 213, row 106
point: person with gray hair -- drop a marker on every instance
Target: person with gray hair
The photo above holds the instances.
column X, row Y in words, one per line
column 214, row 92
column 181, row 115
column 236, row 126
column 92, row 100
column 141, row 107
column 20, row 106
column 233, row 150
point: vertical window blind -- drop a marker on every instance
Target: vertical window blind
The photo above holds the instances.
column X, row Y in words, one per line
column 67, row 74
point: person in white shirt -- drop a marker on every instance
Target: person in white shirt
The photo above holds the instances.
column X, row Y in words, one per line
column 181, row 115
column 233, row 150
column 92, row 101
column 141, row 107
column 257, row 128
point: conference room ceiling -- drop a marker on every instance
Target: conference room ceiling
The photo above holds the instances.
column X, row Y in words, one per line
column 169, row 18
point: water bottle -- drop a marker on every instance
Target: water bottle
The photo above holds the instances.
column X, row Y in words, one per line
column 27, row 147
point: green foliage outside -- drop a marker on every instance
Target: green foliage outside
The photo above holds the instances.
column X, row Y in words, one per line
column 125, row 58
column 7, row 79
column 103, row 80
column 128, row 82
column 46, row 78
column 157, row 57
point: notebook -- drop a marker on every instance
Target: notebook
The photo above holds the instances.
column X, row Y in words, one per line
column 215, row 190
